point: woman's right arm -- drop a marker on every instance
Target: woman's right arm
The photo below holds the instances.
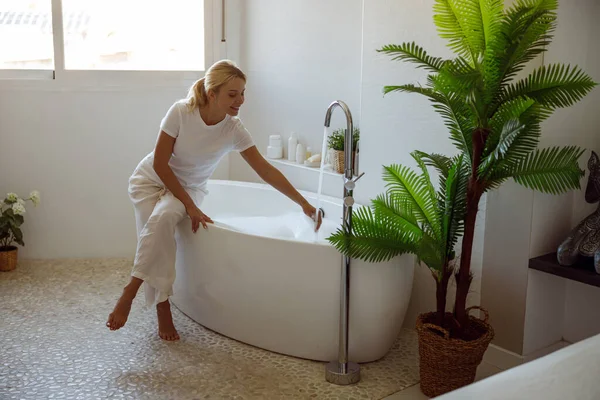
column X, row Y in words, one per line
column 162, row 155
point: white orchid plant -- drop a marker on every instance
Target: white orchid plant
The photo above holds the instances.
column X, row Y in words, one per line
column 12, row 209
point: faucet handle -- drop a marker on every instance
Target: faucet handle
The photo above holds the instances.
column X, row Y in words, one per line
column 349, row 201
column 351, row 183
column 358, row 177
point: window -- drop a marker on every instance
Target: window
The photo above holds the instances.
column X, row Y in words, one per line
column 134, row 34
column 26, row 34
column 105, row 36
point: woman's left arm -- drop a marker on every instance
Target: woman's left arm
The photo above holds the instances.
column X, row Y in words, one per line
column 275, row 178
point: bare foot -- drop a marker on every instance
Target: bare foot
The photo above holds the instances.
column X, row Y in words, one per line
column 120, row 313
column 166, row 329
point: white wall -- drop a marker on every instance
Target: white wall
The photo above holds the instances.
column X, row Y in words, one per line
column 299, row 56
column 582, row 314
column 78, row 147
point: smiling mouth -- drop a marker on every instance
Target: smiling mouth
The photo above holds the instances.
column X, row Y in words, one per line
column 236, row 108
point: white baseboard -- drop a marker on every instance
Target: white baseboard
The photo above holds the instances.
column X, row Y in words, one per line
column 505, row 359
column 502, row 358
column 545, row 351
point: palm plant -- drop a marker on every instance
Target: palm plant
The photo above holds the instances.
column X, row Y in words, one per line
column 493, row 120
column 411, row 217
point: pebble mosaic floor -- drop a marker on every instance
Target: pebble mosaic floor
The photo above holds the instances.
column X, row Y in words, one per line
column 54, row 345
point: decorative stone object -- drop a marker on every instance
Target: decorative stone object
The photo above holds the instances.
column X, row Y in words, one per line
column 584, row 240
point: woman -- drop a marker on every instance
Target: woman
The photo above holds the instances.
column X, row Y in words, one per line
column 170, row 183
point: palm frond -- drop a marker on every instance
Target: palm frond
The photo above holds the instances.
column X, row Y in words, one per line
column 457, row 117
column 452, row 108
column 455, row 205
column 441, row 195
column 552, row 170
column 410, row 88
column 398, row 211
column 459, row 78
column 439, row 161
column 527, row 139
column 495, row 43
column 371, row 239
column 413, row 53
column 495, row 183
column 431, row 195
column 442, row 164
column 552, row 86
column 491, row 20
column 449, row 27
column 460, row 21
column 524, row 143
column 405, row 182
column 511, row 110
column 509, row 133
column 430, row 252
column 528, row 27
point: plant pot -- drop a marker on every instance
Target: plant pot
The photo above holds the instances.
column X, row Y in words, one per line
column 8, row 258
column 337, row 160
column 446, row 363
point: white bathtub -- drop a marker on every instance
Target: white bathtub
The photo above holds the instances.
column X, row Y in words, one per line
column 283, row 294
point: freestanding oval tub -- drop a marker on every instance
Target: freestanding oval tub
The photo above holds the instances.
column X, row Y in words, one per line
column 260, row 276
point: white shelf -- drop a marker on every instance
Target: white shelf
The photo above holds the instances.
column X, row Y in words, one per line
column 327, row 171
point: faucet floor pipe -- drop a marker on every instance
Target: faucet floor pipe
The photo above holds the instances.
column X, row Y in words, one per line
column 342, row 371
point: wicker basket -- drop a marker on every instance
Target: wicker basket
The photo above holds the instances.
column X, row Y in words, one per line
column 337, row 160
column 447, row 364
column 8, row 259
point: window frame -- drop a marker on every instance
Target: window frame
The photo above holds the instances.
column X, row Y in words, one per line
column 214, row 49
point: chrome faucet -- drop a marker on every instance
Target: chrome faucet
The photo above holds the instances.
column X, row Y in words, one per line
column 349, row 183
column 341, row 371
column 348, row 137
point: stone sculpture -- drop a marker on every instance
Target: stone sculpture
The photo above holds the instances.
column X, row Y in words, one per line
column 584, row 240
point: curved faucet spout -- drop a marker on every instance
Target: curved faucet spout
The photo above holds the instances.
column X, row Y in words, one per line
column 332, row 106
column 348, row 137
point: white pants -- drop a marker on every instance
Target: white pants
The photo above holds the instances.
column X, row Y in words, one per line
column 157, row 213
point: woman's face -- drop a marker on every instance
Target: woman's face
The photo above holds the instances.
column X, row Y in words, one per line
column 231, row 97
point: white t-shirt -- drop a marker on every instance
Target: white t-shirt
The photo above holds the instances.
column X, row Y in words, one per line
column 198, row 147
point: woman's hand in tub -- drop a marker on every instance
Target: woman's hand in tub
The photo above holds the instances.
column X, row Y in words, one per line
column 310, row 211
column 198, row 217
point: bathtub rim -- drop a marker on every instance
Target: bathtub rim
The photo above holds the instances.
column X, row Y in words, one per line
column 264, row 186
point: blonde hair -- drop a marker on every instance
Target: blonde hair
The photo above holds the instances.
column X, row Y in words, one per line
column 217, row 75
